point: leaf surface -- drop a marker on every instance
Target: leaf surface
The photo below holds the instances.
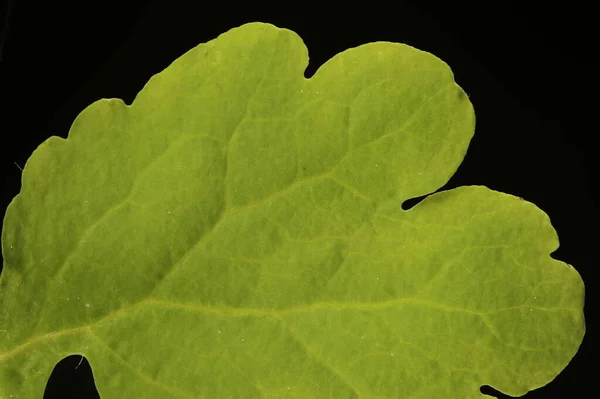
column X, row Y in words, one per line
column 237, row 232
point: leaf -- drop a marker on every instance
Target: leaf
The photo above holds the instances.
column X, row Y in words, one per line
column 237, row 232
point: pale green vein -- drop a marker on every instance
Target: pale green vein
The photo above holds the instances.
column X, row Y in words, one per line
column 320, row 360
column 235, row 131
column 328, row 173
column 277, row 313
column 244, row 375
column 497, row 336
column 225, row 206
column 92, row 227
column 443, row 269
column 408, row 120
column 138, row 372
column 351, row 189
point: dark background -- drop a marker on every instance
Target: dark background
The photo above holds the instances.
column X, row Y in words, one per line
column 527, row 69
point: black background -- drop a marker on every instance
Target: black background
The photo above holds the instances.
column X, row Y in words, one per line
column 527, row 69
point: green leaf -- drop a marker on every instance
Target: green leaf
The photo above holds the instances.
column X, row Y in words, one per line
column 237, row 232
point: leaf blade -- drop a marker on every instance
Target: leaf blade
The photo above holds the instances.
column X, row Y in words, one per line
column 257, row 214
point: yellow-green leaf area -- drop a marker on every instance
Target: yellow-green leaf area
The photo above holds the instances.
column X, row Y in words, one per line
column 237, row 232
